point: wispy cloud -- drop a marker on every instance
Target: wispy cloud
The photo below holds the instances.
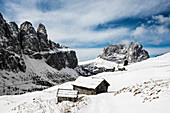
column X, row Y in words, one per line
column 84, row 54
column 76, row 23
column 154, row 32
column 161, row 19
column 74, row 20
column 156, row 41
column 157, row 51
column 162, row 29
column 139, row 31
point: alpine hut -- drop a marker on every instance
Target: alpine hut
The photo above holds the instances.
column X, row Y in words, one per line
column 67, row 95
column 90, row 85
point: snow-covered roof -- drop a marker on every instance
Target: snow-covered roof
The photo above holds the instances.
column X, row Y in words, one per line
column 88, row 82
column 67, row 93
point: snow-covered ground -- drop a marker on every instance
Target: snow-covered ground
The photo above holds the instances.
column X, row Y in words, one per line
column 35, row 68
column 143, row 88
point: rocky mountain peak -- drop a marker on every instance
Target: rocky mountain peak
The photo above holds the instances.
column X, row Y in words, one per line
column 132, row 52
column 27, row 55
column 25, row 26
column 42, row 29
column 1, row 19
column 29, row 42
column 1, row 15
column 14, row 26
column 42, row 36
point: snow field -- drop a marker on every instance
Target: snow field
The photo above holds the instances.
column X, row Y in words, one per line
column 143, row 88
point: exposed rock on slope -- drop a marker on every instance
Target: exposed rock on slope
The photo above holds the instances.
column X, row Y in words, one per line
column 21, row 47
column 132, row 52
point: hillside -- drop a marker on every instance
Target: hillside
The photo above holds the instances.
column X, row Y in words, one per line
column 143, row 88
column 112, row 56
column 29, row 58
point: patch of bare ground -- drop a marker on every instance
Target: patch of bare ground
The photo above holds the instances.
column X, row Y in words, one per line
column 148, row 90
column 39, row 105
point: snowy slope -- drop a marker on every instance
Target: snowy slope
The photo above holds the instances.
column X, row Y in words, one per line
column 30, row 61
column 37, row 76
column 99, row 63
column 143, row 88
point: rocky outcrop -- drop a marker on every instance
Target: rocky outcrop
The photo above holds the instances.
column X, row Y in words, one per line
column 61, row 59
column 89, row 69
column 28, row 38
column 11, row 62
column 35, row 44
column 132, row 52
column 10, row 49
column 42, row 36
column 119, row 54
column 21, row 47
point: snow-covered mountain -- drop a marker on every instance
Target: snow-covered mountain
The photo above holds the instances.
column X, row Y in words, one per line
column 122, row 54
column 143, row 88
column 30, row 61
column 132, row 52
column 93, row 67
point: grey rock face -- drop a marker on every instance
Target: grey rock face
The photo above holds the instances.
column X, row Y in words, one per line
column 9, row 35
column 10, row 49
column 21, row 47
column 11, row 61
column 33, row 43
column 29, row 39
column 89, row 69
column 61, row 59
column 132, row 52
column 42, row 36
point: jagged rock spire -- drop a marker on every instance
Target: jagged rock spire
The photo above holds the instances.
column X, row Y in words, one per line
column 42, row 29
column 25, row 26
column 29, row 39
column 42, row 36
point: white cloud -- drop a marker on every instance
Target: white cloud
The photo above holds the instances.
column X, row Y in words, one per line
column 144, row 31
column 162, row 29
column 85, row 54
column 156, row 41
column 75, row 19
column 162, row 19
column 139, row 31
column 158, row 50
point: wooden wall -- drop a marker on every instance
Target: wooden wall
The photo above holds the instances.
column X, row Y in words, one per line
column 86, row 91
column 102, row 87
column 60, row 99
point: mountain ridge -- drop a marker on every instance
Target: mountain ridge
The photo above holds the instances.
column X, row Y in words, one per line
column 21, row 46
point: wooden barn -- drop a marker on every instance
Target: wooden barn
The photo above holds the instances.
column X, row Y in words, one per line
column 90, row 85
column 67, row 95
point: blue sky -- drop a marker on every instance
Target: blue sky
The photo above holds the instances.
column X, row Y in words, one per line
column 90, row 25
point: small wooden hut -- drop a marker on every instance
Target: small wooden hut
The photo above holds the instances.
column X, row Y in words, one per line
column 67, row 95
column 90, row 85
column 121, row 69
column 110, row 69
